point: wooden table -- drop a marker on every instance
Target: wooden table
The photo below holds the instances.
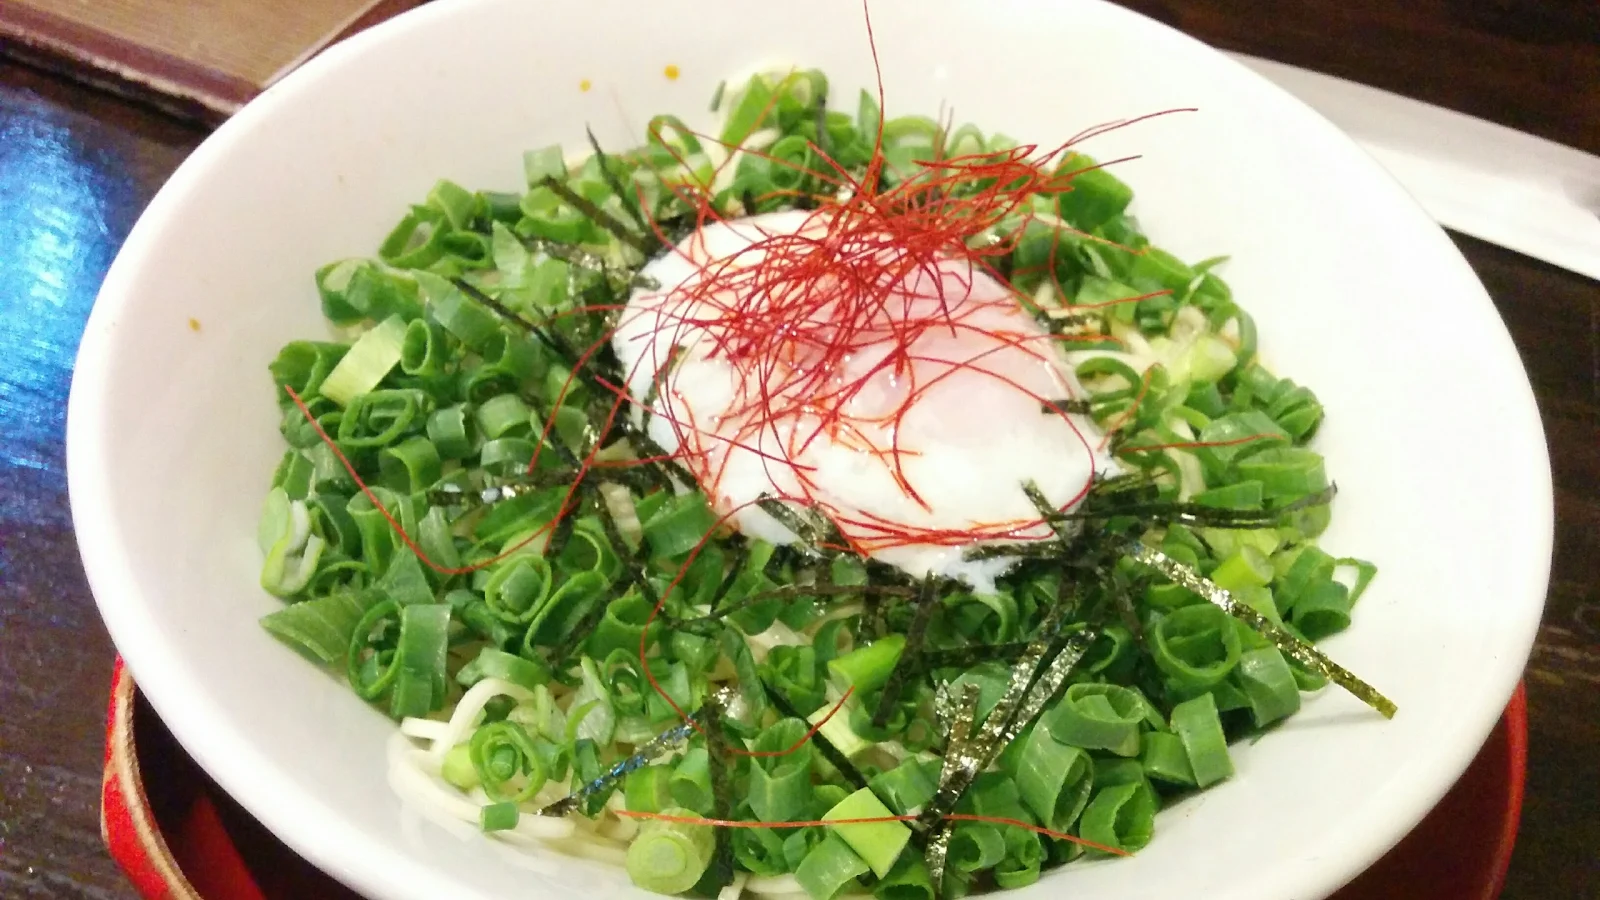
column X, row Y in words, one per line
column 76, row 168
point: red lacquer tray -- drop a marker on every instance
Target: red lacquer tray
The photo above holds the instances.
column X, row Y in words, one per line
column 179, row 837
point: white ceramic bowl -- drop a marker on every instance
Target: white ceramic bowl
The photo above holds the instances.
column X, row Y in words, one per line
column 1432, row 432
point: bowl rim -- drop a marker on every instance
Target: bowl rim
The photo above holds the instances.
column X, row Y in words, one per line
column 321, row 833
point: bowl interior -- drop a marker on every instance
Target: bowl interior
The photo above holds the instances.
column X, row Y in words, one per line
column 1431, row 433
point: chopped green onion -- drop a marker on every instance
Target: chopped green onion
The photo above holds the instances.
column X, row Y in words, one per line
column 517, row 590
column 976, row 846
column 1166, row 760
column 907, row 787
column 1270, row 684
column 1120, row 816
column 404, row 582
column 1098, row 717
column 868, row 668
column 648, row 789
column 1196, row 647
column 370, row 358
column 498, row 817
column 679, row 525
column 829, row 868
column 669, row 857
column 877, row 843
column 908, row 880
column 691, row 781
column 780, row 787
column 1055, row 779
column 457, row 768
column 321, row 628
column 493, row 663
column 1197, row 724
column 1095, row 195
column 508, row 765
column 1322, row 609
column 419, row 682
column 460, row 315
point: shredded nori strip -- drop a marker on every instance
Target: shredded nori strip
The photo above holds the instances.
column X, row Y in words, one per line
column 909, row 661
column 784, row 592
column 870, row 625
column 1075, row 406
column 1051, row 550
column 559, row 536
column 965, row 657
column 1064, row 325
column 653, row 391
column 582, row 260
column 666, row 742
column 558, row 345
column 1208, row 516
column 553, row 341
column 629, row 200
column 632, row 564
column 454, row 495
column 720, row 873
column 1307, row 656
column 836, row 758
column 1048, row 512
column 809, row 532
column 824, row 143
column 959, row 756
column 645, row 245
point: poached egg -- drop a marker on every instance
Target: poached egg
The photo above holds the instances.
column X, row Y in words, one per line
column 913, row 430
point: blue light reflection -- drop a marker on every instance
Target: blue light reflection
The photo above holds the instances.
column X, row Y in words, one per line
column 64, row 210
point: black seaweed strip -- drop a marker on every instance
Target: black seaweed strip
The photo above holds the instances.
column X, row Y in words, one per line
column 1078, row 407
column 909, row 662
column 869, row 624
column 585, row 627
column 1064, row 324
column 721, row 871
column 787, row 591
column 555, row 443
column 805, row 530
column 1005, row 266
column 1047, row 510
column 647, row 446
column 584, row 261
column 629, row 201
column 560, row 347
column 653, row 391
column 1051, row 550
column 553, row 341
column 559, row 538
column 600, row 217
column 1123, row 594
column 839, row 761
column 969, row 655
column 741, row 554
column 824, row 144
column 1195, row 514
column 630, row 558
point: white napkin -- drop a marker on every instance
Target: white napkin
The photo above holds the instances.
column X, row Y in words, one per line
column 1495, row 183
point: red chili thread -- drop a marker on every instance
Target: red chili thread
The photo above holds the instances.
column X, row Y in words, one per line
column 1132, row 410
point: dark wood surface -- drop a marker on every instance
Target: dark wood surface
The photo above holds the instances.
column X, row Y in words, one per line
column 77, row 167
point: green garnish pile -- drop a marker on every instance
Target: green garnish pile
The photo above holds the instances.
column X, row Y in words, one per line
column 1103, row 680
